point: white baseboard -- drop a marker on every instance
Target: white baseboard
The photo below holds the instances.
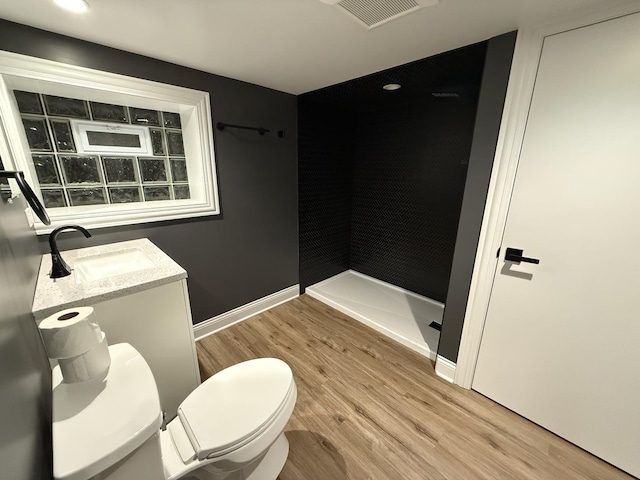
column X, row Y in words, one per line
column 243, row 312
column 445, row 369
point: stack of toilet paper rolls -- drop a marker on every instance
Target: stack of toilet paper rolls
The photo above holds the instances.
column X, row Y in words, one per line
column 74, row 339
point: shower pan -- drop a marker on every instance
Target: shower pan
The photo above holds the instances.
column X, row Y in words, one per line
column 408, row 318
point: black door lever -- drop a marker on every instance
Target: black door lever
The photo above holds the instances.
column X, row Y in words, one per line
column 515, row 255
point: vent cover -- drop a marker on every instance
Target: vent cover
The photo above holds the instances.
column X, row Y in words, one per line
column 373, row 13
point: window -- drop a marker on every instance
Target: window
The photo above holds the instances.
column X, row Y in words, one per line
column 96, row 137
column 102, row 159
column 103, row 149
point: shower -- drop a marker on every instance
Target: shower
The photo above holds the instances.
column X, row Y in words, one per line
column 381, row 179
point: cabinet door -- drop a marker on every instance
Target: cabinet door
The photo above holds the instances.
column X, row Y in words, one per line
column 157, row 322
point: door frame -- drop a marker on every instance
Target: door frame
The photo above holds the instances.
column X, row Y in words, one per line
column 524, row 67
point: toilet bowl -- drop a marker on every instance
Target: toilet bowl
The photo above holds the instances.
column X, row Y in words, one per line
column 231, row 427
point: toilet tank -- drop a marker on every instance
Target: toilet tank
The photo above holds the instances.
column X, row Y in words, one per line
column 110, row 425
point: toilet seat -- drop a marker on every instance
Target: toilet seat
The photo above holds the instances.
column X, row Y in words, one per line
column 231, row 408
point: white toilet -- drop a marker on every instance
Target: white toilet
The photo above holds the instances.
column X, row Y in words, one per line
column 230, row 427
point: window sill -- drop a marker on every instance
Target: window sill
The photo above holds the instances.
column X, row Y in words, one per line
column 92, row 217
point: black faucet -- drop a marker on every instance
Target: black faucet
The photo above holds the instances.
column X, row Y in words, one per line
column 59, row 267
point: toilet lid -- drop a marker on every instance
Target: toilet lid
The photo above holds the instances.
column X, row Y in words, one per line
column 234, row 405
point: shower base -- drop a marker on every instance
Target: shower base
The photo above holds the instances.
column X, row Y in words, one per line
column 393, row 311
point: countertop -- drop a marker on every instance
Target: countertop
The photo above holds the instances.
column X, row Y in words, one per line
column 52, row 295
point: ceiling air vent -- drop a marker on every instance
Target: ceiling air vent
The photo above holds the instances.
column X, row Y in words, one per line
column 373, row 13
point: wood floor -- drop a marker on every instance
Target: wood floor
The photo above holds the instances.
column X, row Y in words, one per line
column 369, row 408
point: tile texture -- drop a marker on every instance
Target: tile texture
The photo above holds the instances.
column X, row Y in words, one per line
column 382, row 173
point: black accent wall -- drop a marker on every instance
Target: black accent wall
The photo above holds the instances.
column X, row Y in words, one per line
column 25, row 374
column 382, row 173
column 249, row 251
column 410, row 166
column 485, row 138
column 325, row 152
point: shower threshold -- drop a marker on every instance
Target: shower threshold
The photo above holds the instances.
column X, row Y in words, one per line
column 408, row 318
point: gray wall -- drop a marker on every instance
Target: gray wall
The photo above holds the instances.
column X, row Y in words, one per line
column 249, row 251
column 25, row 375
column 485, row 138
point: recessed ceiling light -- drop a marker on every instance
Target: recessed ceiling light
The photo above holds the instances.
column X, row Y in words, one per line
column 392, row 86
column 73, row 5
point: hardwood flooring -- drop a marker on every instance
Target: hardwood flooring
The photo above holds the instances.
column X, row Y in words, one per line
column 370, row 409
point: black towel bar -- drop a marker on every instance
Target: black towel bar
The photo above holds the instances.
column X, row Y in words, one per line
column 260, row 130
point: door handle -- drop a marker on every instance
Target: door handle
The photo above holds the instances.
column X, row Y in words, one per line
column 515, row 255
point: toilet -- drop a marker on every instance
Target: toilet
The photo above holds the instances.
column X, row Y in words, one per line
column 231, row 427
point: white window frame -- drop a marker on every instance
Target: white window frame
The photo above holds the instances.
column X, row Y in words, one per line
column 80, row 135
column 32, row 74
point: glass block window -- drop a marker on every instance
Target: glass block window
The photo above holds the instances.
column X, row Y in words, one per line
column 124, row 194
column 120, row 169
column 145, row 117
column 68, row 177
column 46, row 170
column 102, row 149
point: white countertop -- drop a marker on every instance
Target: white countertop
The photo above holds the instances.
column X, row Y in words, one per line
column 57, row 294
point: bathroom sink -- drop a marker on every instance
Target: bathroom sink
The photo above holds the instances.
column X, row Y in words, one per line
column 107, row 265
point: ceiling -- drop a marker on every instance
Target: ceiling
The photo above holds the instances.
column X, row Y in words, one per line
column 445, row 77
column 295, row 46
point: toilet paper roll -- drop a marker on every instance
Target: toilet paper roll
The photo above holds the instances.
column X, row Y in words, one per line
column 90, row 364
column 70, row 333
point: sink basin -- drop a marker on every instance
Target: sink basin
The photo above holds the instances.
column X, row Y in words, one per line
column 107, row 265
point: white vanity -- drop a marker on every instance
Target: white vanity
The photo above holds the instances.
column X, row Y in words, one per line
column 140, row 296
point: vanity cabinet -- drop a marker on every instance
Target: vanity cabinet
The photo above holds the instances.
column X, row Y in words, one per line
column 157, row 322
column 146, row 307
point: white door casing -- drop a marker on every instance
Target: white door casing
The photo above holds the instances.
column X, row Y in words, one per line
column 560, row 341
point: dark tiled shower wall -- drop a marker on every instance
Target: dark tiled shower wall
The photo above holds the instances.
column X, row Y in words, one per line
column 381, row 174
column 325, row 145
column 410, row 167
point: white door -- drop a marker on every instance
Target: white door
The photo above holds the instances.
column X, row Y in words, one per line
column 561, row 343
